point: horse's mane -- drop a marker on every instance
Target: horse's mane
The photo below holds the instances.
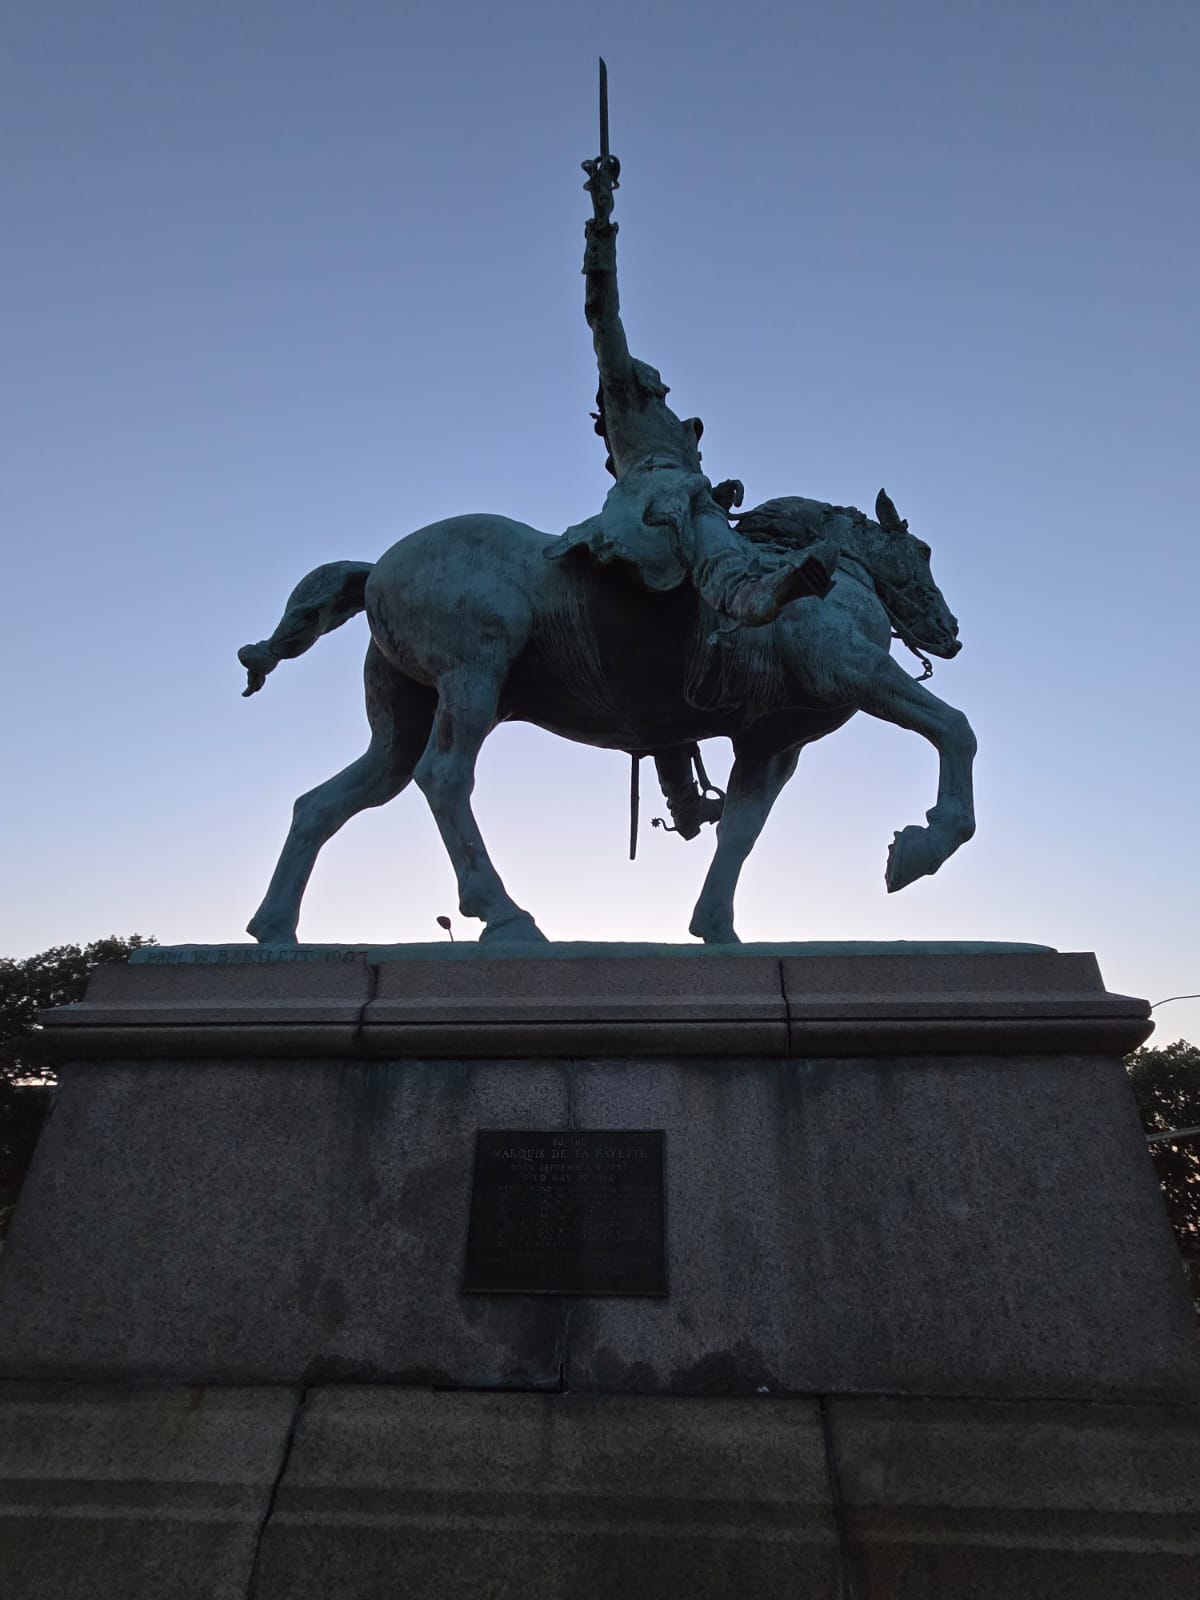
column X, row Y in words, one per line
column 743, row 667
column 792, row 522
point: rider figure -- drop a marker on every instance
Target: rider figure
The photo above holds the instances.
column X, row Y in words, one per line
column 662, row 515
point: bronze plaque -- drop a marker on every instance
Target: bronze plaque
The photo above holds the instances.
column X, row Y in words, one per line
column 567, row 1212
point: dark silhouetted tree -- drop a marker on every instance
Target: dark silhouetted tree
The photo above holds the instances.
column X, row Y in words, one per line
column 1166, row 1085
column 35, row 983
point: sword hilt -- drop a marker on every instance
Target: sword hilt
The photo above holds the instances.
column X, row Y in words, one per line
column 603, row 178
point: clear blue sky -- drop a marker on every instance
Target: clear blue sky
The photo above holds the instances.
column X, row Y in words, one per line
column 285, row 281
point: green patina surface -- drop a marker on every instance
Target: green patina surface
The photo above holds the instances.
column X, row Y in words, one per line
column 668, row 618
column 237, row 954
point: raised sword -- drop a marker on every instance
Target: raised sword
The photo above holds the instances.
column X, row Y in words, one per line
column 604, row 152
column 608, row 162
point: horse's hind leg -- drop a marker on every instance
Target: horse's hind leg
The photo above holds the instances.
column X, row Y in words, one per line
column 400, row 713
column 755, row 783
column 445, row 774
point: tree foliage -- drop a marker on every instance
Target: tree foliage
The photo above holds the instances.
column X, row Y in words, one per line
column 35, row 983
column 1166, row 1085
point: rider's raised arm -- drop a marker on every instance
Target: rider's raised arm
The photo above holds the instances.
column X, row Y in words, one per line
column 602, row 304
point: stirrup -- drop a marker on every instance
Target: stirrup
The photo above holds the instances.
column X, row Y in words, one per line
column 702, row 803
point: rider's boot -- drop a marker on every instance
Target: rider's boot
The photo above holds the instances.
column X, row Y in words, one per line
column 690, row 809
column 690, row 806
column 755, row 601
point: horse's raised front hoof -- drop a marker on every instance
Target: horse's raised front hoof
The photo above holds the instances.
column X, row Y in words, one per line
column 518, row 928
column 266, row 931
column 911, row 856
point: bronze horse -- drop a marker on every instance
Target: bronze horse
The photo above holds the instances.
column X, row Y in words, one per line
column 471, row 626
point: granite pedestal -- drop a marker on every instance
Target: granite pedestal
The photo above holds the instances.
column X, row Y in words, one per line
column 911, row 1222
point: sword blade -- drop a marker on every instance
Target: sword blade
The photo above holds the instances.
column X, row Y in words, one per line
column 603, row 109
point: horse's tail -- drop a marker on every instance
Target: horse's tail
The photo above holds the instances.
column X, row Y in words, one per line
column 320, row 602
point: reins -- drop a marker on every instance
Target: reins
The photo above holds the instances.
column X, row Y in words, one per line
column 899, row 631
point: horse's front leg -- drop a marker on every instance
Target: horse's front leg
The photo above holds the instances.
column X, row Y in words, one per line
column 895, row 697
column 754, row 786
column 445, row 775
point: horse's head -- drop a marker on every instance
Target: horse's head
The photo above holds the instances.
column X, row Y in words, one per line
column 899, row 563
column 896, row 560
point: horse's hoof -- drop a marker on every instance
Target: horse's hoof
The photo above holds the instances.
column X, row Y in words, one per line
column 713, row 934
column 519, row 928
column 910, row 857
column 264, row 932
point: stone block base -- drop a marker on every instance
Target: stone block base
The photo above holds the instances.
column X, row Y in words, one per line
column 135, row 1494
column 370, row 1493
column 920, row 1226
column 1018, row 1502
column 925, row 1338
column 551, row 1496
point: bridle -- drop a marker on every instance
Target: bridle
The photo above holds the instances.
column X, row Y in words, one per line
column 887, row 599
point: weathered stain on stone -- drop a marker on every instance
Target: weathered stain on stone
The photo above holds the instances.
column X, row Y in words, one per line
column 740, row 1370
column 610, row 1373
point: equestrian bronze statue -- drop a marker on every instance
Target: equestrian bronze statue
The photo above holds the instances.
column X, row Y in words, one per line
column 669, row 618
